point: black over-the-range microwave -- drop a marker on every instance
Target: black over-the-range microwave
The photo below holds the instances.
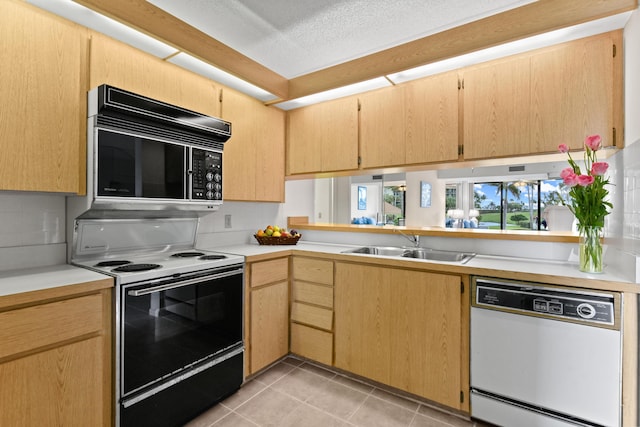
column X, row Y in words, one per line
column 148, row 154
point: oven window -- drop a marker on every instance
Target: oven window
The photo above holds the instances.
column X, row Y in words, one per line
column 131, row 166
column 167, row 330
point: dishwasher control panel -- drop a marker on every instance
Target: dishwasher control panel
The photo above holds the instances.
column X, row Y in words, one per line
column 589, row 307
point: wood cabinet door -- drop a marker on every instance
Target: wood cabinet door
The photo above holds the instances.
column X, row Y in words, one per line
column 496, row 109
column 362, row 330
column 382, row 124
column 254, row 157
column 62, row 386
column 431, row 119
column 269, row 324
column 304, row 152
column 323, row 137
column 572, row 93
column 269, row 129
column 56, row 358
column 42, row 101
column 128, row 68
column 402, row 328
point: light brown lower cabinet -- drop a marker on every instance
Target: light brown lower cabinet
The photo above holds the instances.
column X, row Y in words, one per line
column 268, row 322
column 55, row 360
column 312, row 343
column 403, row 328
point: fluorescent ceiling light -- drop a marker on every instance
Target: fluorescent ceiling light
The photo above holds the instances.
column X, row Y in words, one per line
column 598, row 26
column 200, row 67
column 100, row 23
column 340, row 92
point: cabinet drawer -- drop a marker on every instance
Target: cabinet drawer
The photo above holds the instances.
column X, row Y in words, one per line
column 311, row 315
column 313, row 270
column 312, row 343
column 313, row 294
column 46, row 324
column 271, row 271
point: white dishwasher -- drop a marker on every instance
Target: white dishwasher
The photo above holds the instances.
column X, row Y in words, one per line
column 544, row 355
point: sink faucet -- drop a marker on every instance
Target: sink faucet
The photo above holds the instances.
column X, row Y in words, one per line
column 415, row 239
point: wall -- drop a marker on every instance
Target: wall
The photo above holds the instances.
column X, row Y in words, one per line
column 32, row 230
column 247, row 218
column 628, row 161
column 631, row 40
column 373, row 207
column 417, row 216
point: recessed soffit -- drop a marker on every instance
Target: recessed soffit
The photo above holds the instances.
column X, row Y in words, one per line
column 293, row 49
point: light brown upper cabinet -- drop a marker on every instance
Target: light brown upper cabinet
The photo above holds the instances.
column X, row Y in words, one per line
column 496, row 109
column 575, row 92
column 382, row 127
column 323, row 137
column 42, row 101
column 416, row 122
column 254, row 157
column 431, row 119
column 532, row 102
column 128, row 68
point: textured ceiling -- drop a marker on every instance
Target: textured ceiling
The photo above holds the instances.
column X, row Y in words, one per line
column 296, row 37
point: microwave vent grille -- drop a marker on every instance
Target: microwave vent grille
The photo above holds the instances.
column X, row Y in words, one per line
column 154, row 131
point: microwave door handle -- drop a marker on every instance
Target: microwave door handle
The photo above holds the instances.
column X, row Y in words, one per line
column 168, row 286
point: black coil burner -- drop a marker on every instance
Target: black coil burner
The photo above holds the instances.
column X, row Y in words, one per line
column 187, row 254
column 129, row 268
column 212, row 257
column 113, row 263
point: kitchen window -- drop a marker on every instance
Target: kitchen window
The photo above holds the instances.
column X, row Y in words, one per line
column 515, row 205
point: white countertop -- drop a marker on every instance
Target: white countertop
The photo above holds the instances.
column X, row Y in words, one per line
column 40, row 278
column 511, row 264
column 34, row 279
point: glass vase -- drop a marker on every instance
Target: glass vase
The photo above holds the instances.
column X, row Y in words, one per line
column 591, row 250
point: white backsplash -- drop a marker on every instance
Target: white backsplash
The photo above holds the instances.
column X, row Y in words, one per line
column 248, row 217
column 32, row 230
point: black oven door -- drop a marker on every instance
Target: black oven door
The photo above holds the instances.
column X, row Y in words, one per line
column 171, row 325
column 134, row 166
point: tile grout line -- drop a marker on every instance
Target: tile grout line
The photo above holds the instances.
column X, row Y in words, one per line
column 334, row 378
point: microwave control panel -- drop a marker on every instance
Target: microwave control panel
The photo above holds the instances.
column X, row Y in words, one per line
column 206, row 175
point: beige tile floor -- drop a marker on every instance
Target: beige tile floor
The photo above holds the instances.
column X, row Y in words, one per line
column 297, row 393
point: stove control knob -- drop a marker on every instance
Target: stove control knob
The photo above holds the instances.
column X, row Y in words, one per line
column 586, row 310
column 217, row 196
column 211, row 185
column 210, row 195
column 217, row 186
column 209, row 176
column 217, row 177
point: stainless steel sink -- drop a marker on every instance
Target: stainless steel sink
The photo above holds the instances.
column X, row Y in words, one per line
column 379, row 250
column 418, row 253
column 436, row 255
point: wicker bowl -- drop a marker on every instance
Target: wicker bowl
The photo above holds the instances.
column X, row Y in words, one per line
column 270, row 240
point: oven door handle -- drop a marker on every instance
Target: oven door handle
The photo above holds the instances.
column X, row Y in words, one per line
column 168, row 286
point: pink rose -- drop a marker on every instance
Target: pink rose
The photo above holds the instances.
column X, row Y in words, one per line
column 563, row 148
column 570, row 179
column 585, row 180
column 599, row 168
column 593, row 142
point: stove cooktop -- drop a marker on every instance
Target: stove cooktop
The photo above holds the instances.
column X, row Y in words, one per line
column 132, row 267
